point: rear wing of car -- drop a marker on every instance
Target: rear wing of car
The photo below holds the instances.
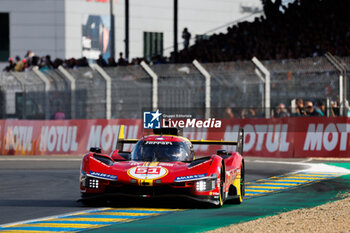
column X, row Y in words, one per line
column 121, row 139
column 239, row 143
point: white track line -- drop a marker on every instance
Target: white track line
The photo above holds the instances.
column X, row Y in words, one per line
column 54, row 216
column 307, row 160
column 313, row 167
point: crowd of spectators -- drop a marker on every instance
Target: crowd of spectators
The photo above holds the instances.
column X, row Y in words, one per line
column 30, row 60
column 303, row 28
column 43, row 62
column 301, row 109
column 111, row 61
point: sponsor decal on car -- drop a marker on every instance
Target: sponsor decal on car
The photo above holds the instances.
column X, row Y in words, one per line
column 166, row 164
column 163, row 143
column 103, row 175
column 191, row 177
column 149, row 173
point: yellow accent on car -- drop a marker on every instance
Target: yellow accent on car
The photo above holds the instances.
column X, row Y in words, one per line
column 237, row 184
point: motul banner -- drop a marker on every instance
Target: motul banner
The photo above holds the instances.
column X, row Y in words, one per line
column 278, row 137
column 293, row 137
column 62, row 136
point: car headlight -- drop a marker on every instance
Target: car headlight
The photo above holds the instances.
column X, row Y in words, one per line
column 93, row 183
column 88, row 182
column 205, row 185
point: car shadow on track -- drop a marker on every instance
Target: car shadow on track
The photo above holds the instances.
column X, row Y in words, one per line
column 173, row 203
column 39, row 203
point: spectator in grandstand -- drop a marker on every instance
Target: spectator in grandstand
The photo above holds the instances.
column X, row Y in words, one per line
column 228, row 113
column 70, row 63
column 271, row 9
column 334, row 108
column 121, row 60
column 57, row 62
column 19, row 64
column 29, row 56
column 45, row 63
column 48, row 61
column 322, row 108
column 111, row 62
column 299, row 111
column 42, row 64
column 34, row 61
column 59, row 115
column 101, row 62
column 136, row 61
column 11, row 65
column 82, row 62
column 26, row 66
column 187, row 37
column 311, row 110
column 250, row 113
column 281, row 111
column 158, row 59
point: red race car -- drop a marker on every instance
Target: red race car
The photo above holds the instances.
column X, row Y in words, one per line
column 164, row 165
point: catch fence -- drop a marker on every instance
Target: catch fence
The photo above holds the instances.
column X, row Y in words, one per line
column 39, row 94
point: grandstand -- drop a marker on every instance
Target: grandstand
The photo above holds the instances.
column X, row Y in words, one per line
column 307, row 28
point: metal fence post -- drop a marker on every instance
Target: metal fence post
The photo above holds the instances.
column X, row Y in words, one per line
column 207, row 77
column 261, row 70
column 339, row 65
column 24, row 93
column 328, row 107
column 154, row 77
column 108, row 79
column 47, row 89
column 71, row 79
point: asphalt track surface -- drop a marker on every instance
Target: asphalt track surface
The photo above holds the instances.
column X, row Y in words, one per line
column 31, row 188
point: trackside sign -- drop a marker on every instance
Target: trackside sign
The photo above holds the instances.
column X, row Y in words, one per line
column 283, row 137
column 327, row 137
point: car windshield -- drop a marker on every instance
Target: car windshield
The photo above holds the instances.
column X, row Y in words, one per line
column 161, row 151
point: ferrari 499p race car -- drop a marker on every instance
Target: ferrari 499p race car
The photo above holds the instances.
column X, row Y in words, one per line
column 164, row 165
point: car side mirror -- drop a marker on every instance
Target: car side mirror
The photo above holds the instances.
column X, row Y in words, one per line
column 95, row 149
column 120, row 156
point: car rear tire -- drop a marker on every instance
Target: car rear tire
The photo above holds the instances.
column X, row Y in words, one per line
column 240, row 196
column 222, row 188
